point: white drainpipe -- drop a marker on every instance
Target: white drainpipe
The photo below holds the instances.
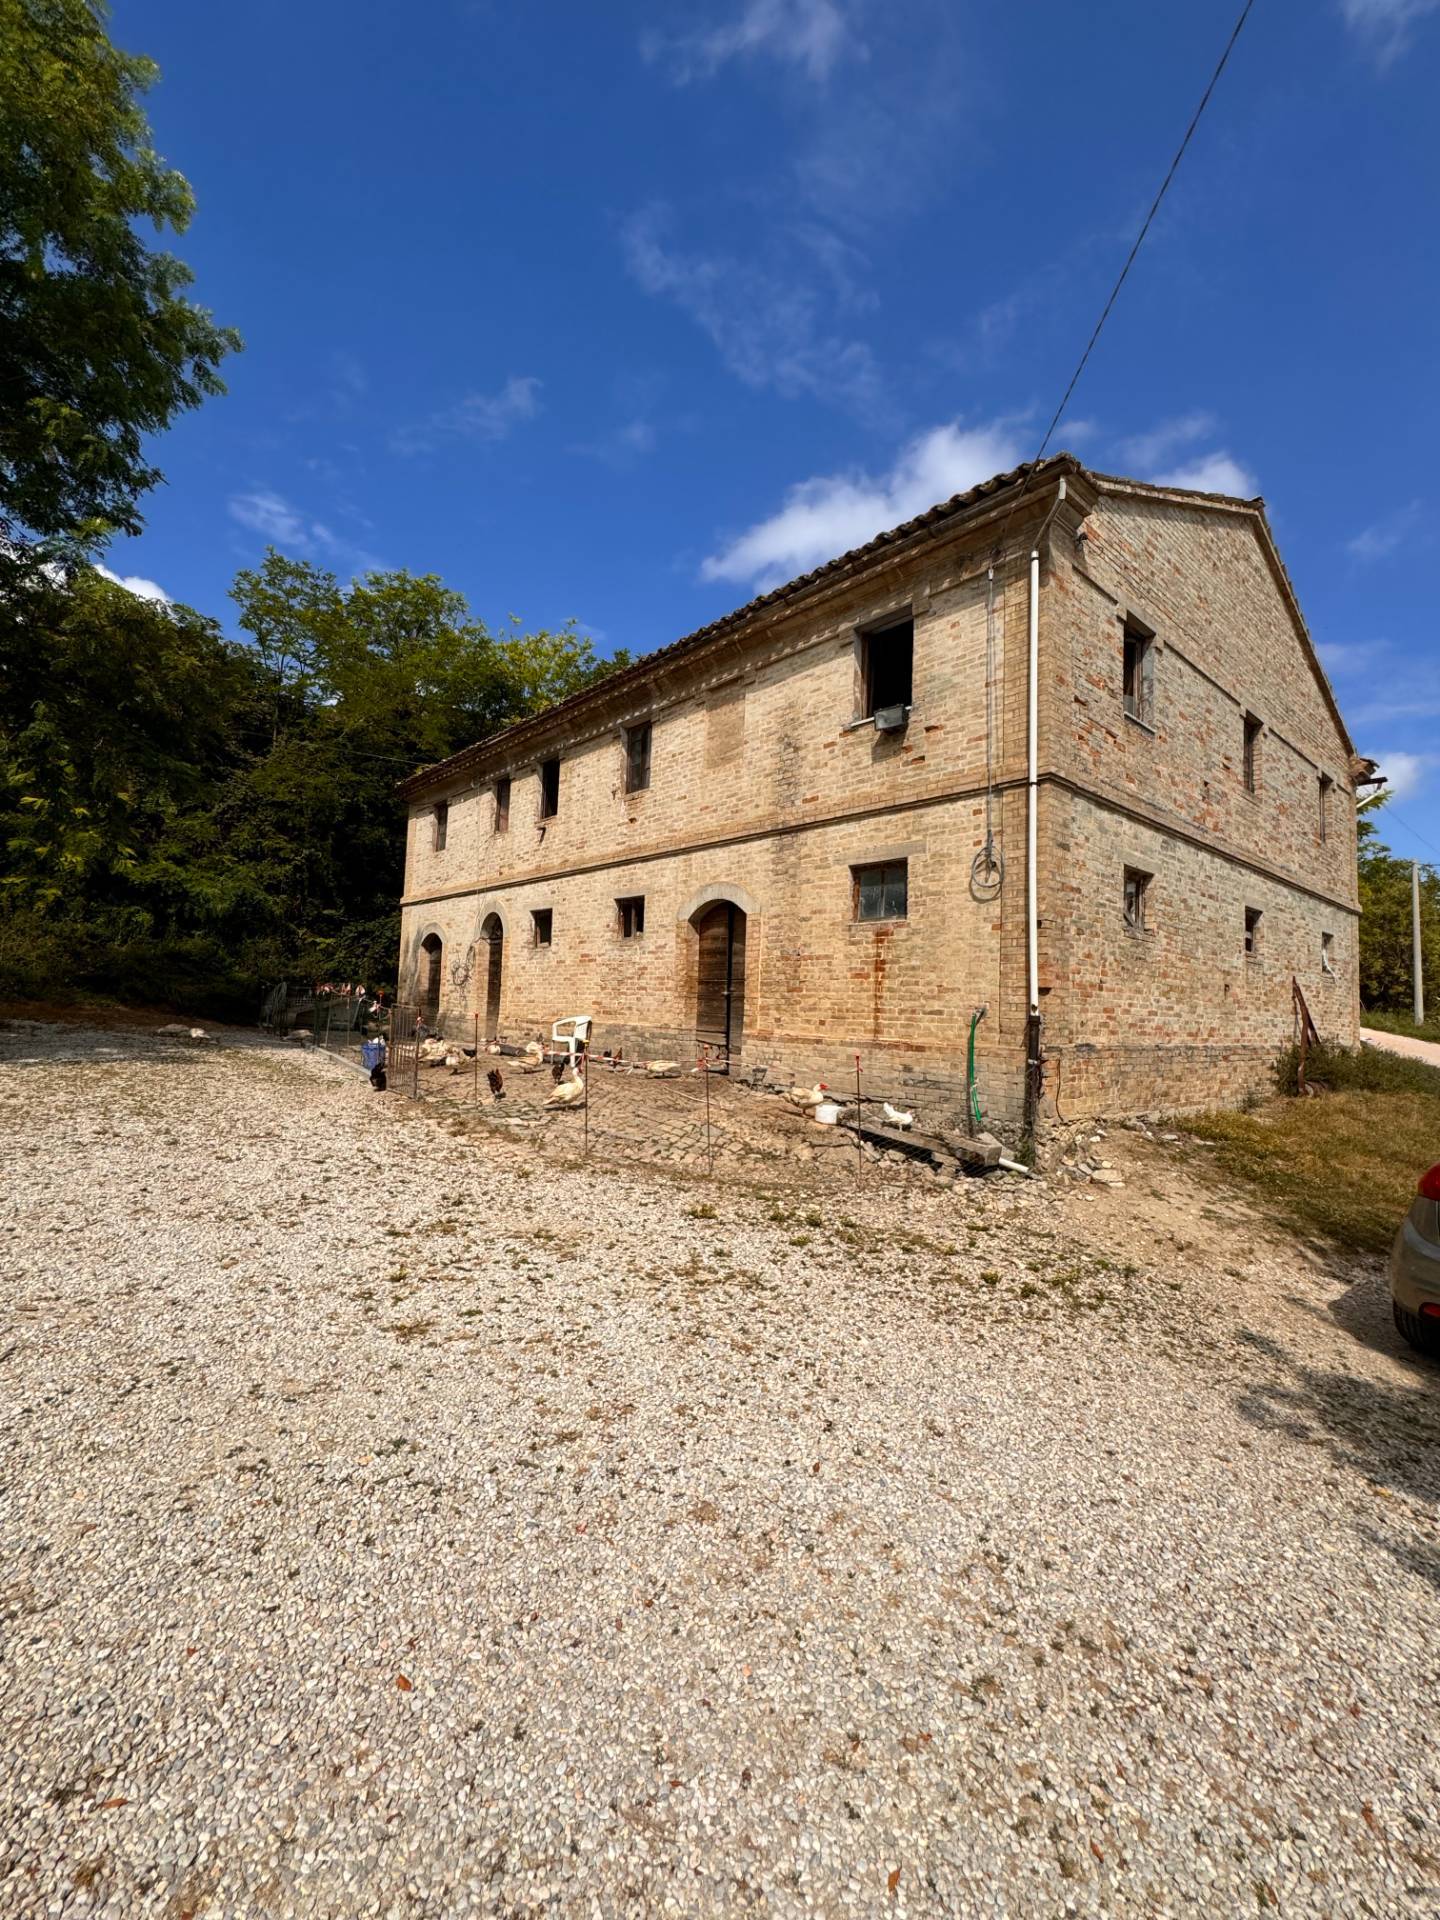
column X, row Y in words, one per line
column 1032, row 772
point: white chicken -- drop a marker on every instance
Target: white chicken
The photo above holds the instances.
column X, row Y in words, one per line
column 567, row 1093
column 895, row 1118
column 803, row 1097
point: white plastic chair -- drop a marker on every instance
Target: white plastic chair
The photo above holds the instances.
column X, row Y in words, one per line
column 571, row 1036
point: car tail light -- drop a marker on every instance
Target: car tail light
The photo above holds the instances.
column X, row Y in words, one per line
column 1430, row 1310
column 1430, row 1184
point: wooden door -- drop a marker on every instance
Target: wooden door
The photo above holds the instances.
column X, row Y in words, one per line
column 720, row 982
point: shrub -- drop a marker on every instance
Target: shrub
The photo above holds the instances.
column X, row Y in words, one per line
column 1360, row 1069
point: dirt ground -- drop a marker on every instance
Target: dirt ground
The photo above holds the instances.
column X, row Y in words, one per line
column 404, row 1518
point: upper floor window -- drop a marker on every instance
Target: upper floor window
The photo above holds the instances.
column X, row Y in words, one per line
column 1250, row 763
column 637, row 757
column 442, row 825
column 1139, row 673
column 887, row 664
column 882, row 892
column 1327, row 953
column 542, row 920
column 1322, row 806
column 1137, row 893
column 632, row 916
column 502, row 803
column 549, row 789
column 1253, row 917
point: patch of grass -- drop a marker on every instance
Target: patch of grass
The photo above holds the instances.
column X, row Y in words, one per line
column 702, row 1212
column 1343, row 1166
column 1363, row 1070
column 1429, row 1029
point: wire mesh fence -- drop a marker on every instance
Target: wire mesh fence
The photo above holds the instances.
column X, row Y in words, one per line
column 336, row 1017
column 691, row 1110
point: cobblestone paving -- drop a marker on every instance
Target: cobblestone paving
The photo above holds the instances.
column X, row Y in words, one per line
column 402, row 1524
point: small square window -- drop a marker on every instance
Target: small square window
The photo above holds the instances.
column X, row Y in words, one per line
column 637, row 757
column 502, row 804
column 882, row 891
column 1251, row 761
column 1139, row 673
column 1137, row 893
column 442, row 824
column 549, row 789
column 632, row 916
column 1252, row 933
column 543, row 921
column 887, row 662
column 1322, row 801
column 1327, row 953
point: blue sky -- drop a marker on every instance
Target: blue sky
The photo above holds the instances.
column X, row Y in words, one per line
column 624, row 312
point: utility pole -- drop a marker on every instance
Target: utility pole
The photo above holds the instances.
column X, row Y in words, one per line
column 1416, row 958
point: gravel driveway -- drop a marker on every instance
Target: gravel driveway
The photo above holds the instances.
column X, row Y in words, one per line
column 404, row 1525
column 1406, row 1043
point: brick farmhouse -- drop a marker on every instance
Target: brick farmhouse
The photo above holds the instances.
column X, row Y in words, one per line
column 1060, row 746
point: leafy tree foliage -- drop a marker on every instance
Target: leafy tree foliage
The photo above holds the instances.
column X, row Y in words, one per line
column 1385, row 925
column 184, row 817
column 98, row 344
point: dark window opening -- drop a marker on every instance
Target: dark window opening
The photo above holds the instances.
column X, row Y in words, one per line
column 549, row 789
column 1327, row 953
column 502, row 804
column 1137, row 892
column 632, row 916
column 442, row 824
column 543, row 921
column 637, row 757
column 1252, row 933
column 1251, row 761
column 432, row 953
column 1139, row 674
column 882, row 892
column 888, row 663
column 1323, row 803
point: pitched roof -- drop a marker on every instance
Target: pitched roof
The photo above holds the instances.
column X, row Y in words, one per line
column 931, row 520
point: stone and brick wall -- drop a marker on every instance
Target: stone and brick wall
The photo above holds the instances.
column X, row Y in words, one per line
column 1178, row 1015
column 764, row 791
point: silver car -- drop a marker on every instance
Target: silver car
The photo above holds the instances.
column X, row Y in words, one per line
column 1415, row 1268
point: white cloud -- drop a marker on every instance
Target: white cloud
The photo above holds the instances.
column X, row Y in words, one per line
column 813, row 35
column 1145, row 451
column 135, row 583
column 768, row 328
column 828, row 515
column 1385, row 26
column 1405, row 774
column 272, row 515
column 1385, row 537
column 1352, row 656
column 478, row 416
column 287, row 526
column 1212, row 473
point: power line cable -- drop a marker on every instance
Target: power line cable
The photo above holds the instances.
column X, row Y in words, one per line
column 1195, row 119
column 1130, row 259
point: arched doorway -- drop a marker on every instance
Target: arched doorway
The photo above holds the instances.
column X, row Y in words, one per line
column 492, row 932
column 720, row 979
column 432, row 956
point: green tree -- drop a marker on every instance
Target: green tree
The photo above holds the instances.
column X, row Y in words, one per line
column 116, row 715
column 1386, row 923
column 98, row 344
